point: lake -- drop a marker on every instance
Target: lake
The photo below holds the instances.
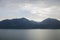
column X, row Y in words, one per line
column 29, row 34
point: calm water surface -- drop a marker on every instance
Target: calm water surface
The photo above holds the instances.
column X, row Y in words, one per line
column 29, row 34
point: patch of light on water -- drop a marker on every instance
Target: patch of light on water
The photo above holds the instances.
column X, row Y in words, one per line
column 29, row 34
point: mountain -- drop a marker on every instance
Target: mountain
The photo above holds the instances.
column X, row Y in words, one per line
column 24, row 23
column 50, row 23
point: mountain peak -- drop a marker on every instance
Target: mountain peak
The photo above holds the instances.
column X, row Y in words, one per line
column 50, row 21
column 24, row 18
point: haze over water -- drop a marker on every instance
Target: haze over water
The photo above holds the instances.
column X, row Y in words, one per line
column 29, row 34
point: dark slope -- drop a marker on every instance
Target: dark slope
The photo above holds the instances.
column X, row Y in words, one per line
column 49, row 23
column 24, row 23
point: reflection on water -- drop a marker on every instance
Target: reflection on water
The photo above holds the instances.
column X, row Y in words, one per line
column 29, row 34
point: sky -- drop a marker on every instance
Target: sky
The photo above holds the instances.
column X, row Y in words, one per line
column 37, row 10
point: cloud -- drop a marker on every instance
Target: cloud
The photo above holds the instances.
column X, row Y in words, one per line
column 30, row 9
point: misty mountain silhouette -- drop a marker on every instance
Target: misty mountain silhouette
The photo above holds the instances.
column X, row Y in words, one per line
column 24, row 23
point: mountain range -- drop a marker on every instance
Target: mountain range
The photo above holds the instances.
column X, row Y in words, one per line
column 24, row 23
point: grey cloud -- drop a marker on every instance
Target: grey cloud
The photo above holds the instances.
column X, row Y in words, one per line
column 11, row 5
column 55, row 13
column 36, row 2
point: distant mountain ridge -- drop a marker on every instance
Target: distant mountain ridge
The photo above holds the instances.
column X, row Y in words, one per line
column 24, row 23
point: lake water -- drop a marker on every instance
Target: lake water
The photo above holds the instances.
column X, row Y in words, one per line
column 29, row 34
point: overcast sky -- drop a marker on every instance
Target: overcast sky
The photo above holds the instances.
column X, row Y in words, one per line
column 32, row 9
